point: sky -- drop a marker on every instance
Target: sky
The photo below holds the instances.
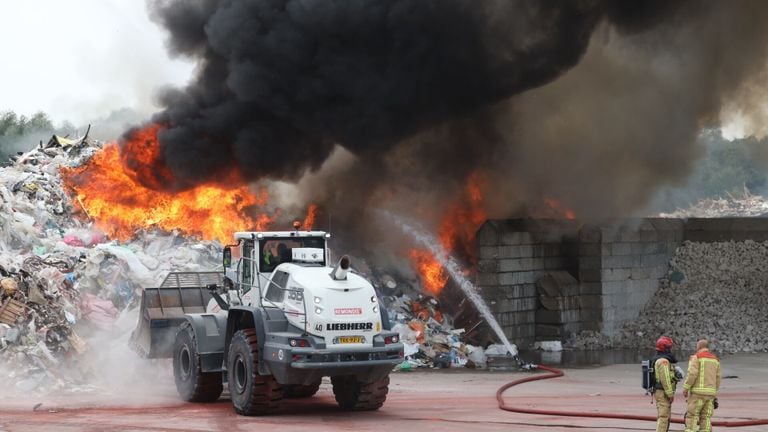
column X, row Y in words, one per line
column 79, row 60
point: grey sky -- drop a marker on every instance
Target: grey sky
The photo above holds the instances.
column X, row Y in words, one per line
column 79, row 60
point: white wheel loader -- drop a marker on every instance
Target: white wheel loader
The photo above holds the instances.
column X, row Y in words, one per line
column 277, row 320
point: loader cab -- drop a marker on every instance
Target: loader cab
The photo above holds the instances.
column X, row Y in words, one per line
column 250, row 263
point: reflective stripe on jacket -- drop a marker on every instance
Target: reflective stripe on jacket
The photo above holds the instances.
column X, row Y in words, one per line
column 664, row 376
column 703, row 373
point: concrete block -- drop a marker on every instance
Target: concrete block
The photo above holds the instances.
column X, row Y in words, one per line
column 516, row 238
column 524, row 290
column 557, row 317
column 488, row 266
column 616, row 274
column 515, row 333
column 615, row 287
column 553, row 263
column 590, row 263
column 629, row 234
column 590, row 249
column 590, row 234
column 658, row 272
column 551, row 250
column 638, row 273
column 489, row 279
column 519, row 251
column 517, row 304
column 591, row 315
column 560, row 303
column 548, row 330
column 590, row 288
column 648, row 235
column 621, row 248
column 517, row 318
column 590, row 301
column 488, row 234
column 518, row 278
column 590, row 275
column 488, row 252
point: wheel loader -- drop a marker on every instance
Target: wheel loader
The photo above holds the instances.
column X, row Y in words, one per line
column 271, row 325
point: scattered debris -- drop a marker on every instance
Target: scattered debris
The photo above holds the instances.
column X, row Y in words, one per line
column 746, row 205
column 61, row 281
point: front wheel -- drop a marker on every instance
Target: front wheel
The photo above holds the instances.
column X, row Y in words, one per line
column 353, row 395
column 192, row 383
column 251, row 393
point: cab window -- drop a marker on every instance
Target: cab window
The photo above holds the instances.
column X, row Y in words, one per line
column 276, row 291
column 275, row 251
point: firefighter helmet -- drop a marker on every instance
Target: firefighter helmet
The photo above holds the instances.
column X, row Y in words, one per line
column 664, row 344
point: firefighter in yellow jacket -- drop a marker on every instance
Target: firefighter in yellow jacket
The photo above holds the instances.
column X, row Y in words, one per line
column 666, row 382
column 701, row 387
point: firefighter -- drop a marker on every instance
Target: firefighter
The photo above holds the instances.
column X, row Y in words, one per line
column 701, row 387
column 666, row 382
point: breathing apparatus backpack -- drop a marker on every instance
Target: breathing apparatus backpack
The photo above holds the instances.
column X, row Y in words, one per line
column 649, row 376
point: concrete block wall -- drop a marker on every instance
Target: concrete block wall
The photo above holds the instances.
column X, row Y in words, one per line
column 634, row 257
column 616, row 268
column 512, row 256
column 617, row 265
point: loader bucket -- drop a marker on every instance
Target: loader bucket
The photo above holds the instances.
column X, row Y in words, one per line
column 162, row 311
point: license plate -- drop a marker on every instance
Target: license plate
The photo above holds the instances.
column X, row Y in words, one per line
column 349, row 340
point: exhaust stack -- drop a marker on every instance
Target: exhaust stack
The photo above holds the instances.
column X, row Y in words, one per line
column 342, row 267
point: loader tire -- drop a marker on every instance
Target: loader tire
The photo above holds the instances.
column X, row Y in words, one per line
column 301, row 391
column 252, row 394
column 192, row 383
column 353, row 395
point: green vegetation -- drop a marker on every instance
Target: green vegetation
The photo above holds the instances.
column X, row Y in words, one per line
column 21, row 133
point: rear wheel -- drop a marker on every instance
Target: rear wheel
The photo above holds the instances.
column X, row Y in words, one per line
column 353, row 395
column 251, row 393
column 301, row 391
column 192, row 383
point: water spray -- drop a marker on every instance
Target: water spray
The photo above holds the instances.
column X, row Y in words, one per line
column 452, row 267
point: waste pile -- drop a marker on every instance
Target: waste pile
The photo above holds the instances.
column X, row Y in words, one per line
column 65, row 286
column 716, row 291
column 62, row 282
column 746, row 205
column 426, row 330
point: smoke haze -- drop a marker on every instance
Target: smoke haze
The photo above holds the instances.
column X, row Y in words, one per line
column 593, row 103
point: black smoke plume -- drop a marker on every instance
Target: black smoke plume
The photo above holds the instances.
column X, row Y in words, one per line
column 595, row 103
column 280, row 83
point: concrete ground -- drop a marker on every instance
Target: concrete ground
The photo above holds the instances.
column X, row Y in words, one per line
column 454, row 400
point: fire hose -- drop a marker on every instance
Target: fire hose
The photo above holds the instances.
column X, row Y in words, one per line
column 557, row 373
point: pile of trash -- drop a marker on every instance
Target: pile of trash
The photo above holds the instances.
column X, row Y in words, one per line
column 426, row 330
column 746, row 205
column 62, row 282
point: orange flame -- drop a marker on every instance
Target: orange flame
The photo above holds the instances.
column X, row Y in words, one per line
column 559, row 209
column 433, row 276
column 309, row 221
column 112, row 188
column 456, row 234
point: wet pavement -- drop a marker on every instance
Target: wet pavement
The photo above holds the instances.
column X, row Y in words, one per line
column 447, row 400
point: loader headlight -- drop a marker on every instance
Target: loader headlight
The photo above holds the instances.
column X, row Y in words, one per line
column 373, row 299
column 375, row 309
column 318, row 300
column 318, row 310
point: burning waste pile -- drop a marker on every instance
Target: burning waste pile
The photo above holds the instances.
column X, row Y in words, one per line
column 69, row 291
column 62, row 282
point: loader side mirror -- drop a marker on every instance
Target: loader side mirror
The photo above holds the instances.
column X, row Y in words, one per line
column 227, row 257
